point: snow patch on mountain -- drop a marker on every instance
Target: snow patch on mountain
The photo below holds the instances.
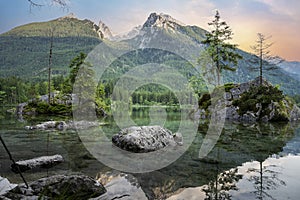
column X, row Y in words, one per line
column 128, row 35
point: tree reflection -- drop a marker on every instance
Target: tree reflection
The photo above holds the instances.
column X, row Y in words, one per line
column 223, row 182
column 265, row 179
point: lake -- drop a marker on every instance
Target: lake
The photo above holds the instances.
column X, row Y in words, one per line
column 258, row 161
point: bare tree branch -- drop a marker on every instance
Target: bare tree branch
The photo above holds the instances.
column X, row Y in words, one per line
column 62, row 3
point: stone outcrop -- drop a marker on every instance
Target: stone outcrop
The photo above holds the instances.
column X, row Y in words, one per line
column 63, row 125
column 283, row 110
column 40, row 162
column 141, row 139
column 58, row 187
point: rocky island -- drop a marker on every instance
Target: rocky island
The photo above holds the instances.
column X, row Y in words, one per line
column 248, row 102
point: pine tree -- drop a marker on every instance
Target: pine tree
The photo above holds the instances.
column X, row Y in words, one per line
column 263, row 57
column 221, row 52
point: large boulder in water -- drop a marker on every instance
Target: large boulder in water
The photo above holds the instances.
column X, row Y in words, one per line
column 141, row 139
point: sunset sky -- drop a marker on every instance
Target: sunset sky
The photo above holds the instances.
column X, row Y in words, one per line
column 279, row 18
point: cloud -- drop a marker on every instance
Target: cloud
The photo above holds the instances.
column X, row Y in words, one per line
column 282, row 7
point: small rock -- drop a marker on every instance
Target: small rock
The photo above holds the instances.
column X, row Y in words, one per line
column 227, row 96
column 235, row 93
column 178, row 138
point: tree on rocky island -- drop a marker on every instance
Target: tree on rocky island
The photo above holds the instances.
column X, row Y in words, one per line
column 222, row 53
column 263, row 57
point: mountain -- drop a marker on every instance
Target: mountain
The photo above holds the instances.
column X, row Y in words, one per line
column 67, row 26
column 162, row 21
column 104, row 30
column 131, row 34
column 293, row 68
column 161, row 30
column 24, row 50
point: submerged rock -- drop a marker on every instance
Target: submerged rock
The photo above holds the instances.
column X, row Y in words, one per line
column 141, row 139
column 59, row 187
column 40, row 162
column 62, row 125
column 120, row 186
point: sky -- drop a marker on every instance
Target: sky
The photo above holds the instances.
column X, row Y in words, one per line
column 277, row 18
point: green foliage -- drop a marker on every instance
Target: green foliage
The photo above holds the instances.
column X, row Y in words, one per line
column 204, row 101
column 296, row 99
column 75, row 65
column 58, row 82
column 221, row 52
column 228, row 86
column 44, row 108
column 27, row 57
column 153, row 94
column 259, row 94
column 198, row 85
column 2, row 96
column 14, row 90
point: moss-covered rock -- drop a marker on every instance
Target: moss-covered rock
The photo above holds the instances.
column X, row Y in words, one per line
column 249, row 102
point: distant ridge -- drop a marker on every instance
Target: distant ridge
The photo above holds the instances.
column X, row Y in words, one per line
column 66, row 26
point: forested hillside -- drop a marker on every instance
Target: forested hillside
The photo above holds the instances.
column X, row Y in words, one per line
column 24, row 50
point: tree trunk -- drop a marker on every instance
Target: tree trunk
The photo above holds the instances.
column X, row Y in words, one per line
column 49, row 68
column 260, row 63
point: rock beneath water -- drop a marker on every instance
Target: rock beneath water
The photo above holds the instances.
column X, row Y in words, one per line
column 62, row 125
column 40, row 162
column 141, row 139
column 120, row 186
column 59, row 187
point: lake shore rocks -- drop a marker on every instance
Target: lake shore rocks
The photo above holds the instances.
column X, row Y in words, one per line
column 57, row 187
column 142, row 139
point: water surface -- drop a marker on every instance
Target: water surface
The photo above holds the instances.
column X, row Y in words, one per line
column 248, row 162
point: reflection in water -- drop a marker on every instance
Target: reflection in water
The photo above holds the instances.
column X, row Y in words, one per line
column 213, row 177
column 264, row 180
column 238, row 144
column 223, row 183
column 275, row 178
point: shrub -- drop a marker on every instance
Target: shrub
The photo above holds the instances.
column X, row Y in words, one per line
column 259, row 94
column 204, row 101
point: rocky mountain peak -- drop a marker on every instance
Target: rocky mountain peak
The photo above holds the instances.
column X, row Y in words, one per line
column 105, row 30
column 69, row 16
column 161, row 20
